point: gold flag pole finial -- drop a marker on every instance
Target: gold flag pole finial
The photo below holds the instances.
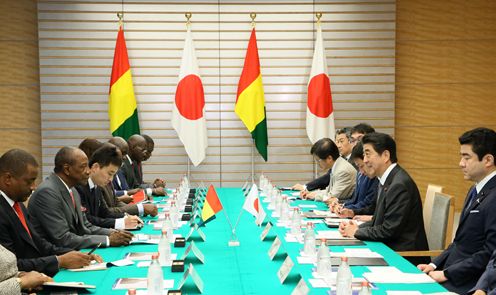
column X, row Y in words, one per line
column 253, row 16
column 120, row 15
column 318, row 15
column 188, row 17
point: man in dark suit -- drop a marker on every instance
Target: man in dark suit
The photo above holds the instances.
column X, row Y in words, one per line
column 463, row 262
column 487, row 282
column 359, row 130
column 366, row 187
column 345, row 145
column 104, row 163
column 132, row 166
column 18, row 172
column 150, row 146
column 397, row 220
column 118, row 188
column 55, row 207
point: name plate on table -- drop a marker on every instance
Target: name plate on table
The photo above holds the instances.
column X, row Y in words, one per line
column 266, row 230
column 197, row 229
column 274, row 248
column 192, row 248
column 301, row 288
column 285, row 269
column 191, row 272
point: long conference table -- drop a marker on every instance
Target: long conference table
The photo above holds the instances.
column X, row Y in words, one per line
column 246, row 269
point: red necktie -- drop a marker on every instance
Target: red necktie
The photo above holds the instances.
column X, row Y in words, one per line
column 18, row 210
column 72, row 197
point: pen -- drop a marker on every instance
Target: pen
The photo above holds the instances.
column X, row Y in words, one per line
column 93, row 250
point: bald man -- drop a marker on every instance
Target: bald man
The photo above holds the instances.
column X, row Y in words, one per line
column 55, row 207
column 132, row 165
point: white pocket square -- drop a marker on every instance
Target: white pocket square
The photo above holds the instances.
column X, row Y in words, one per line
column 474, row 211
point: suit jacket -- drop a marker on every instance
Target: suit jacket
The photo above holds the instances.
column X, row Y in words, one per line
column 97, row 211
column 8, row 273
column 116, row 206
column 55, row 218
column 487, row 282
column 32, row 252
column 320, row 182
column 464, row 260
column 397, row 220
column 351, row 162
column 120, row 183
column 342, row 181
column 129, row 172
column 364, row 194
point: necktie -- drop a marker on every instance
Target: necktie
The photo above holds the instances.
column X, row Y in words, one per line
column 72, row 197
column 140, row 173
column 20, row 214
column 379, row 192
column 472, row 194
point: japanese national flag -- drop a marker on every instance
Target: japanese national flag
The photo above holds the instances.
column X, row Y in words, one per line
column 253, row 206
column 320, row 114
column 188, row 113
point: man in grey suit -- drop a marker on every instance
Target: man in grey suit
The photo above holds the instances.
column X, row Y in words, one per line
column 397, row 220
column 55, row 207
column 342, row 179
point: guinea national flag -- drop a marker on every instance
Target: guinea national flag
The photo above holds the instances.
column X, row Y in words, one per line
column 123, row 110
column 250, row 101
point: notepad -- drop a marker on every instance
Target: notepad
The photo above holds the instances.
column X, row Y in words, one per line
column 392, row 275
column 103, row 265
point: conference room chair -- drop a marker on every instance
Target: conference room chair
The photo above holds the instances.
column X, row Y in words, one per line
column 440, row 228
column 428, row 200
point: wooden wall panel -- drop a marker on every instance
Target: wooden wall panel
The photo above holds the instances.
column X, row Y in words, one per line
column 19, row 77
column 77, row 40
column 445, row 85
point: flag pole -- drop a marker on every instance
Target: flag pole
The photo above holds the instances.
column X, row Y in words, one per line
column 188, row 167
column 252, row 16
column 253, row 161
column 233, row 241
column 188, row 23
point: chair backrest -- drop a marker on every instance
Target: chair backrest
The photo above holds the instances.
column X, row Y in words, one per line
column 441, row 223
column 427, row 207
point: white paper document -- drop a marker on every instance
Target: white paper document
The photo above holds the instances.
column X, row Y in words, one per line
column 137, row 283
column 392, row 275
column 103, row 265
column 306, row 259
column 331, row 235
column 357, row 252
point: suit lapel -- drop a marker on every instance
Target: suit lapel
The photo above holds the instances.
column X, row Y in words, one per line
column 381, row 195
column 16, row 222
column 67, row 197
column 481, row 196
